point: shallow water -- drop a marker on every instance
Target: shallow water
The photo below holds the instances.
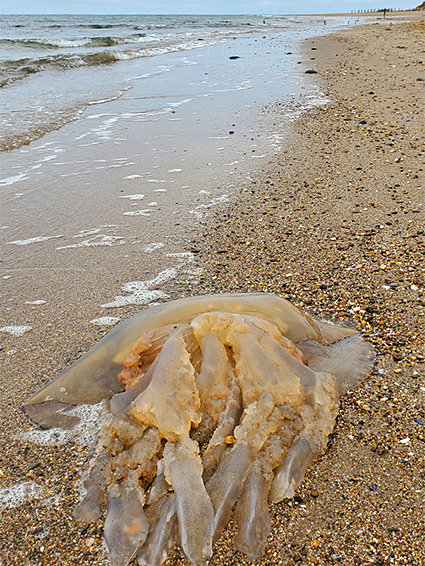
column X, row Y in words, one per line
column 104, row 205
column 52, row 67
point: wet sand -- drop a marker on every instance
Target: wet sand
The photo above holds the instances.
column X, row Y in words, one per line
column 335, row 223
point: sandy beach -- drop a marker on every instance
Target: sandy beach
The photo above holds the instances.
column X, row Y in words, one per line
column 335, row 224
column 337, row 227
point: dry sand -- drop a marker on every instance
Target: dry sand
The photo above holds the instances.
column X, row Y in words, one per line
column 336, row 224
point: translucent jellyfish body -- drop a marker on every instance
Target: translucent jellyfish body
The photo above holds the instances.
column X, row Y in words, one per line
column 211, row 406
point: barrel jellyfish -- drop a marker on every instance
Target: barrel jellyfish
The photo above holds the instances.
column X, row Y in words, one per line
column 211, row 407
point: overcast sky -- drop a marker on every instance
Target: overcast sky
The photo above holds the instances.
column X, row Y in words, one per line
column 196, row 6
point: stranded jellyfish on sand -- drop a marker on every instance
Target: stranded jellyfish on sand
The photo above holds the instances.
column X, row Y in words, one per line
column 210, row 405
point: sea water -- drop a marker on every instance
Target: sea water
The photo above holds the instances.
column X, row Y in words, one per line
column 52, row 67
column 120, row 133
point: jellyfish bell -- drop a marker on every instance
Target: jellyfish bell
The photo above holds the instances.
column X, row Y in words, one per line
column 94, row 376
column 208, row 402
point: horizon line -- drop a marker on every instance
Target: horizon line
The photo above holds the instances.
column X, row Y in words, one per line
column 207, row 15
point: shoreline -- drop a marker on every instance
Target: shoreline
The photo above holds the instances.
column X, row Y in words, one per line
column 66, row 84
column 321, row 247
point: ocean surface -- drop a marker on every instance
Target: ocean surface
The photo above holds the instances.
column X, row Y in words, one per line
column 53, row 67
column 119, row 136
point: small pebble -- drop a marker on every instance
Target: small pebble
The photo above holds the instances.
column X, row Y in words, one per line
column 32, row 465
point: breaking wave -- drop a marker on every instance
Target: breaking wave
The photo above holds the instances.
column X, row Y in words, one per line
column 106, row 41
column 13, row 70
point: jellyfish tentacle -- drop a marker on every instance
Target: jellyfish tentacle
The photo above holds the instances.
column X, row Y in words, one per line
column 90, row 507
column 115, row 436
column 225, row 486
column 299, row 457
column 252, row 514
column 318, row 414
column 251, row 511
column 98, row 473
column 126, row 524
column 257, row 371
column 143, row 353
column 171, row 400
column 318, row 422
column 183, row 470
column 120, row 402
column 228, row 420
column 288, row 365
column 271, row 329
column 213, row 383
column 161, row 534
column 214, row 364
column 159, row 487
